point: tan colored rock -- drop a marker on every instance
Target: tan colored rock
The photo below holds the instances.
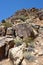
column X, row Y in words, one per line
column 2, row 30
column 9, row 31
column 34, row 33
column 9, row 44
column 16, row 54
column 41, row 31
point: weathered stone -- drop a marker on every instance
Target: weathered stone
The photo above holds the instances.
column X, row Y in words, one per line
column 9, row 44
column 2, row 30
column 34, row 33
column 40, row 53
column 5, row 45
column 20, row 30
column 19, row 58
column 41, row 16
column 16, row 54
column 17, row 21
column 36, row 27
column 25, row 30
column 41, row 31
column 10, row 31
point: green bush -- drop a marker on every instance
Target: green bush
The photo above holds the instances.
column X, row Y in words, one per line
column 18, row 41
column 3, row 21
column 22, row 17
column 28, row 41
column 7, row 24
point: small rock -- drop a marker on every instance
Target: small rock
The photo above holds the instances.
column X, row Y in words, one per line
column 40, row 53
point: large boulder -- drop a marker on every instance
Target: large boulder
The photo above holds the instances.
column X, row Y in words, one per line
column 16, row 54
column 9, row 44
column 24, row 30
column 5, row 45
column 20, row 56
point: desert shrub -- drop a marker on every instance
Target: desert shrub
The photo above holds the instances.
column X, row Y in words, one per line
column 7, row 24
column 28, row 40
column 29, row 56
column 22, row 17
column 3, row 21
column 18, row 41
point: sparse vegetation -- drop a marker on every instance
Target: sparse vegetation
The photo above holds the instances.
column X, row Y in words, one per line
column 7, row 24
column 22, row 17
column 3, row 21
column 29, row 56
column 28, row 40
column 21, row 37
column 18, row 41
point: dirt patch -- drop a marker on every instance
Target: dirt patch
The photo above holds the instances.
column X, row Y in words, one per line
column 6, row 62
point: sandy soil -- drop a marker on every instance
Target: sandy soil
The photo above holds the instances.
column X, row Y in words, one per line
column 6, row 62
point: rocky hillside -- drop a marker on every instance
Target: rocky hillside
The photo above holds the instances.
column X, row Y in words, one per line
column 21, row 38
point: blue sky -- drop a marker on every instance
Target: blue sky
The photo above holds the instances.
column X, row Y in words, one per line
column 8, row 7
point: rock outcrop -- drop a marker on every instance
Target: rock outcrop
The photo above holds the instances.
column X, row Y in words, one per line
column 5, row 45
column 25, row 30
column 2, row 31
column 22, row 40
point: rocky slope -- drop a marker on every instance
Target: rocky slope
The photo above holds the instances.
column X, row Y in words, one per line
column 21, row 38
